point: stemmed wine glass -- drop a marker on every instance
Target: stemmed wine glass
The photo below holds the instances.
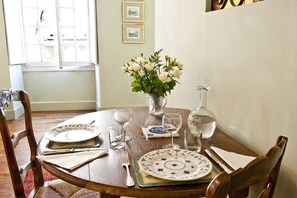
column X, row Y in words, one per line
column 123, row 117
column 171, row 123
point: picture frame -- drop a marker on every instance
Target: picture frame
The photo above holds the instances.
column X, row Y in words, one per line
column 133, row 33
column 133, row 11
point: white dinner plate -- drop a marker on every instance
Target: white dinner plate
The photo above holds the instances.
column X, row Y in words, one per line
column 73, row 133
column 181, row 165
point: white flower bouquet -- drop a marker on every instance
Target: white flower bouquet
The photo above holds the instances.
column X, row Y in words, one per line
column 151, row 75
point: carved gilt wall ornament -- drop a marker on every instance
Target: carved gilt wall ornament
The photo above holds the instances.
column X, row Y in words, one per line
column 222, row 4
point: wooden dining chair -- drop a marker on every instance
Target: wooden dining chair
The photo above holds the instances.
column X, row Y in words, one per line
column 57, row 188
column 263, row 168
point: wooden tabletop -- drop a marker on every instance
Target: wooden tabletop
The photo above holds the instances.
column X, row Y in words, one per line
column 106, row 173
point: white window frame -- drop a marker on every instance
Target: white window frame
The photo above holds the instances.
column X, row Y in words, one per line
column 59, row 65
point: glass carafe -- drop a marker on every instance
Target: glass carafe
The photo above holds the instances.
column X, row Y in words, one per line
column 202, row 119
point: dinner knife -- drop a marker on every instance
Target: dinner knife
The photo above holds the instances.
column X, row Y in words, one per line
column 71, row 150
column 223, row 166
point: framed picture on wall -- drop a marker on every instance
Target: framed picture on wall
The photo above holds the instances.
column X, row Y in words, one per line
column 133, row 33
column 133, row 11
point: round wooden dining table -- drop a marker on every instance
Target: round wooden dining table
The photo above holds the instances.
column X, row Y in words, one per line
column 106, row 173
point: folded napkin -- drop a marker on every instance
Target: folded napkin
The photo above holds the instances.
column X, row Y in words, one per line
column 94, row 142
column 71, row 161
column 156, row 132
column 235, row 160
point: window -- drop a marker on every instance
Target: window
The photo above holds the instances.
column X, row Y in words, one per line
column 57, row 32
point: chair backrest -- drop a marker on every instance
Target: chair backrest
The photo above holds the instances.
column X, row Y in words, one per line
column 10, row 142
column 263, row 168
column 219, row 186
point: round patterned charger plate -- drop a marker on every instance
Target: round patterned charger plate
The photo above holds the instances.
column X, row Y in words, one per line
column 180, row 165
column 73, row 133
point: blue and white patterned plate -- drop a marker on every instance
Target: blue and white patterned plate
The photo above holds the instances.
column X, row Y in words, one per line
column 181, row 165
column 72, row 133
column 157, row 130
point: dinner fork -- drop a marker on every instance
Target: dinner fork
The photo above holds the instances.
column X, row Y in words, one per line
column 126, row 164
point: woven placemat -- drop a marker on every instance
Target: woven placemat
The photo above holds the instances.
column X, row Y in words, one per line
column 146, row 180
column 94, row 142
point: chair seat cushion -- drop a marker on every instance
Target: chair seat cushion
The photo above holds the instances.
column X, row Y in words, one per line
column 59, row 188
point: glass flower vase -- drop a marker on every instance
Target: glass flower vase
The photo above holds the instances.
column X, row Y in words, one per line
column 156, row 104
column 202, row 119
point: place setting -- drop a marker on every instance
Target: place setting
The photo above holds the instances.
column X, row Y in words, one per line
column 171, row 165
column 71, row 146
column 174, row 164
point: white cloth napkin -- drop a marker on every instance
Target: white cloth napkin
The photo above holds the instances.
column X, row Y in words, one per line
column 71, row 161
column 235, row 160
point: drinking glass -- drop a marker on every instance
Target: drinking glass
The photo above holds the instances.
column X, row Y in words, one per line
column 123, row 117
column 171, row 123
column 192, row 141
column 115, row 137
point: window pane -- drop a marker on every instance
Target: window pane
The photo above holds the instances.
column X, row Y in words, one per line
column 82, row 35
column 30, row 17
column 68, row 53
column 81, row 17
column 29, row 3
column 66, row 17
column 31, row 35
column 47, row 13
column 82, row 52
column 48, row 52
column 66, row 3
column 46, row 34
column 68, row 45
column 82, row 4
column 44, row 41
column 33, row 53
column 67, row 35
column 46, row 4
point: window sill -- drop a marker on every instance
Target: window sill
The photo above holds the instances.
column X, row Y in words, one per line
column 57, row 69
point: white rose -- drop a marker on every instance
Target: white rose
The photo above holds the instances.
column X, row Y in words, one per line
column 141, row 72
column 136, row 67
column 149, row 66
column 124, row 69
column 164, row 77
column 140, row 60
column 130, row 67
column 177, row 72
column 180, row 65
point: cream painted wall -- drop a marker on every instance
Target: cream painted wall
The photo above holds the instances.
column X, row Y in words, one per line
column 248, row 58
column 61, row 90
column 4, row 74
column 251, row 65
column 179, row 31
column 115, row 87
